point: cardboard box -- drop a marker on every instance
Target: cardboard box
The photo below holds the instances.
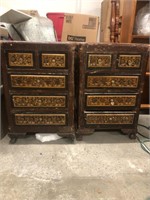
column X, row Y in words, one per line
column 80, row 28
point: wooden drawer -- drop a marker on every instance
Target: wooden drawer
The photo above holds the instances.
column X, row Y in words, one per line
column 110, row 101
column 100, row 81
column 41, row 119
column 109, row 118
column 27, row 101
column 38, row 81
column 20, row 59
column 27, row 60
column 99, row 61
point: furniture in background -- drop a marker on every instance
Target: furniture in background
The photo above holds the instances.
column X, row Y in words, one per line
column 128, row 35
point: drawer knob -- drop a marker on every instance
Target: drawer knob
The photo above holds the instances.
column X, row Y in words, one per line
column 112, row 102
column 112, row 81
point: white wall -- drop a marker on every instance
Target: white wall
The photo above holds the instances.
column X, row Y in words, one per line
column 43, row 6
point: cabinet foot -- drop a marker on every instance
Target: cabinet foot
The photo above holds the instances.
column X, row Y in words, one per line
column 132, row 136
column 130, row 132
column 79, row 137
column 72, row 138
column 13, row 139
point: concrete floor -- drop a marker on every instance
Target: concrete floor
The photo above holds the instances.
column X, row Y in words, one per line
column 104, row 166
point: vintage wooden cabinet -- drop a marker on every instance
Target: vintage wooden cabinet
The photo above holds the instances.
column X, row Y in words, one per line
column 111, row 79
column 39, row 87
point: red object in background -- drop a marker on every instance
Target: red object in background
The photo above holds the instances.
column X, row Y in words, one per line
column 58, row 19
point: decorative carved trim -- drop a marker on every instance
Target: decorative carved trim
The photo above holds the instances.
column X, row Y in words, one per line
column 112, row 81
column 110, row 100
column 109, row 118
column 20, row 59
column 97, row 60
column 38, row 81
column 40, row 119
column 129, row 61
column 53, row 60
column 39, row 101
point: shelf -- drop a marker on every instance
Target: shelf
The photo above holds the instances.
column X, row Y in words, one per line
column 141, row 36
column 145, row 106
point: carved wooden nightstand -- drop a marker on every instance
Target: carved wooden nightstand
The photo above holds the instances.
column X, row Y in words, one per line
column 111, row 79
column 39, row 87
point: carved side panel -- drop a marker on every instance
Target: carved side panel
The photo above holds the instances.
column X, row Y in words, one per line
column 20, row 59
column 110, row 100
column 40, row 119
column 99, row 61
column 129, row 61
column 109, row 118
column 112, row 81
column 53, row 60
column 38, row 81
column 39, row 101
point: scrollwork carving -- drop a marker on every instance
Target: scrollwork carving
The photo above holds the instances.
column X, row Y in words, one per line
column 39, row 101
column 97, row 60
column 40, row 119
column 129, row 61
column 112, row 81
column 20, row 59
column 38, row 81
column 53, row 60
column 109, row 118
column 111, row 100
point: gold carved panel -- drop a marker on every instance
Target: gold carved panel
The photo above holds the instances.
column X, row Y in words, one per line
column 20, row 59
column 129, row 61
column 109, row 118
column 53, row 60
column 98, row 60
column 38, row 81
column 40, row 119
column 110, row 100
column 39, row 101
column 112, row 81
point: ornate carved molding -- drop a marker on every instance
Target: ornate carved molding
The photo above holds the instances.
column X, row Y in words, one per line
column 53, row 60
column 39, row 101
column 109, row 118
column 38, row 81
column 40, row 119
column 110, row 100
column 112, row 81
column 20, row 59
column 129, row 61
column 99, row 61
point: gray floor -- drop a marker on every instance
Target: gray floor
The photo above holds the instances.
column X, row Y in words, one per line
column 104, row 166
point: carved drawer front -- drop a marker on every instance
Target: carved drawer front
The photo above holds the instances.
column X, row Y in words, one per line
column 41, row 119
column 39, row 101
column 129, row 61
column 20, row 59
column 99, row 61
column 110, row 100
column 112, row 81
column 109, row 118
column 53, row 60
column 38, row 81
